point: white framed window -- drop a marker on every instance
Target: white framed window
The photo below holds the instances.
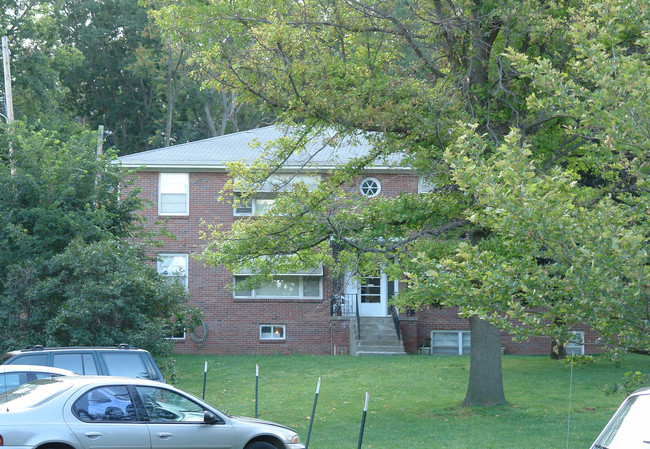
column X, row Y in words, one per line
column 450, row 342
column 371, row 290
column 576, row 343
column 283, row 286
column 173, row 193
column 256, row 205
column 370, row 187
column 265, row 194
column 272, row 332
column 425, row 185
column 307, row 284
column 173, row 267
column 176, row 333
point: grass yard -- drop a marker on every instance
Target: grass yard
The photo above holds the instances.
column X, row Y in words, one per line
column 414, row 400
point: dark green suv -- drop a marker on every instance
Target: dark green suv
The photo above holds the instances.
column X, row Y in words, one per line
column 121, row 360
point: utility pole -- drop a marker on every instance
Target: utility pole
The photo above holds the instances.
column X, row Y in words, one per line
column 9, row 104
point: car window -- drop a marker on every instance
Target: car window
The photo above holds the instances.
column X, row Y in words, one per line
column 168, row 406
column 127, row 364
column 32, row 359
column 78, row 362
column 31, row 394
column 105, row 404
column 11, row 380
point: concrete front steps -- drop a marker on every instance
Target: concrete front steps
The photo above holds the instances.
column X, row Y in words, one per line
column 378, row 337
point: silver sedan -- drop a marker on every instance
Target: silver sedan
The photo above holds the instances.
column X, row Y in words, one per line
column 89, row 412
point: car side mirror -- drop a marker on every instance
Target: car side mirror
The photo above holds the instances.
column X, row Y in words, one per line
column 210, row 418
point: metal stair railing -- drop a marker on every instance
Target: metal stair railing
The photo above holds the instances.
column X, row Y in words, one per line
column 358, row 320
column 395, row 315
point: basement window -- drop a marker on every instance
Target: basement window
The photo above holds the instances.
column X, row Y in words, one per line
column 576, row 343
column 272, row 332
column 450, row 342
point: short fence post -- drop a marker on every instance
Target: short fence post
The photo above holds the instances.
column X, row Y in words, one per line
column 313, row 413
column 205, row 378
column 363, row 421
column 257, row 383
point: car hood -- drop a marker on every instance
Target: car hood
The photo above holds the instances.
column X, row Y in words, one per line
column 256, row 421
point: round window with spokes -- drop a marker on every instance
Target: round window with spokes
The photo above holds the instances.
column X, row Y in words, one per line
column 370, row 187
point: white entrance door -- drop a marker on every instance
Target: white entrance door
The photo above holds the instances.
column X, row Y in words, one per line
column 371, row 300
column 372, row 294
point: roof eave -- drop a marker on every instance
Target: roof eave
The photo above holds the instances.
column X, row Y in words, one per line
column 188, row 166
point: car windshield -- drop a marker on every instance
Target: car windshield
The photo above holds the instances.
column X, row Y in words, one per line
column 629, row 428
column 33, row 393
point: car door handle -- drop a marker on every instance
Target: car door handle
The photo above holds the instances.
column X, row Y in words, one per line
column 93, row 435
column 164, row 435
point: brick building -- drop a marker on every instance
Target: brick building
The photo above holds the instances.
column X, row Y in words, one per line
column 183, row 185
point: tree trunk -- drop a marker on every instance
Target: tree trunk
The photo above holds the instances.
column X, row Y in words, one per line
column 485, row 378
column 171, row 94
column 209, row 120
column 558, row 350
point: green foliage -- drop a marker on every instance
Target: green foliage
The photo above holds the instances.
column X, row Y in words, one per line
column 106, row 293
column 632, row 380
column 560, row 252
column 68, row 272
column 105, row 63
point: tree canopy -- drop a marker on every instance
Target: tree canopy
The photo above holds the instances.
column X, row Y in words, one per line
column 105, row 63
column 527, row 118
column 71, row 272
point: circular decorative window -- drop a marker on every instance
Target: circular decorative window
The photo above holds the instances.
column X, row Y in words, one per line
column 370, row 187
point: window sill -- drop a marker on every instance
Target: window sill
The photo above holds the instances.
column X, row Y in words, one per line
column 279, row 300
column 173, row 216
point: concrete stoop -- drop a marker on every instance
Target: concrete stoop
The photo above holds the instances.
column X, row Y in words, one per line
column 378, row 337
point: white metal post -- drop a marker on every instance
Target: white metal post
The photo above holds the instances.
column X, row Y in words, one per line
column 7, row 72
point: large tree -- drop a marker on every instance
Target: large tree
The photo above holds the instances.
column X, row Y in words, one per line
column 526, row 117
column 70, row 272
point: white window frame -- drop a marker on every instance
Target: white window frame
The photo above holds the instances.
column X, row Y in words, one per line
column 300, row 274
column 252, row 205
column 173, row 184
column 183, row 266
column 572, row 346
column 170, row 334
column 253, row 293
column 278, row 332
column 365, row 188
column 460, row 335
column 268, row 190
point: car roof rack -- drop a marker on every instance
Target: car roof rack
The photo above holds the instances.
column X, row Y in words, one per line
column 41, row 347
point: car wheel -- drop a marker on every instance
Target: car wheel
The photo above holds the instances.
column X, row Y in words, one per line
column 260, row 445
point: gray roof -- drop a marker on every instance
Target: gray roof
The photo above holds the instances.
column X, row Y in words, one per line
column 216, row 152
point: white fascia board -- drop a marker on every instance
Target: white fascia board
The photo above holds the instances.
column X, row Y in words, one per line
column 216, row 167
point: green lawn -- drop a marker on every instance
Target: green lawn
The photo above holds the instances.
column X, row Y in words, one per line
column 414, row 400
